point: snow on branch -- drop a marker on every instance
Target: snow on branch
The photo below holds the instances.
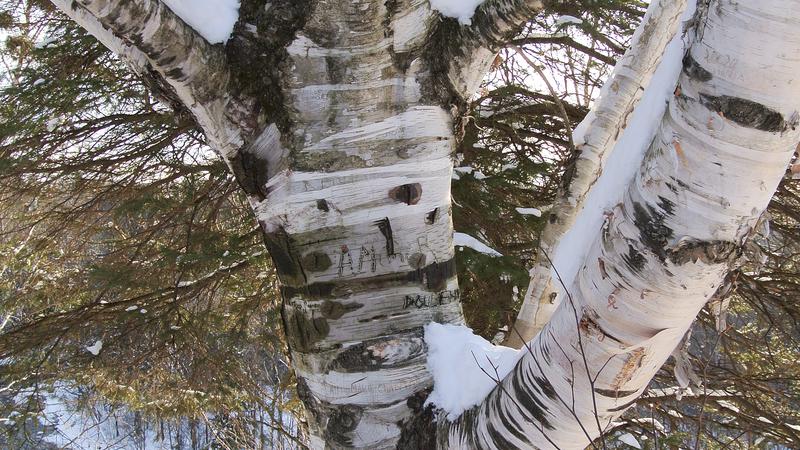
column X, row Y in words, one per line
column 152, row 38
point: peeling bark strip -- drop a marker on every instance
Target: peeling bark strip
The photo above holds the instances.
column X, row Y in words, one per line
column 668, row 246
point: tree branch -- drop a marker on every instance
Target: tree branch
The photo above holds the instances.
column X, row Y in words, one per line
column 149, row 36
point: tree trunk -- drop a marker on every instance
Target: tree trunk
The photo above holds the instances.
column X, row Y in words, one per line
column 338, row 119
column 722, row 147
column 594, row 139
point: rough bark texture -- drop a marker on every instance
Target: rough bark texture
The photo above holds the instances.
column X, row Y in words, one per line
column 337, row 119
column 721, row 149
column 595, row 138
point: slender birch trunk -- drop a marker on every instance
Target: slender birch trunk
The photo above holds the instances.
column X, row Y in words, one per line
column 338, row 119
column 722, row 147
column 594, row 139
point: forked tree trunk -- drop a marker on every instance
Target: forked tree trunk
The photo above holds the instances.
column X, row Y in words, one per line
column 339, row 118
column 594, row 139
column 721, row 149
column 346, row 158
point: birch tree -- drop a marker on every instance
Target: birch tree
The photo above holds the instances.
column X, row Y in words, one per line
column 338, row 121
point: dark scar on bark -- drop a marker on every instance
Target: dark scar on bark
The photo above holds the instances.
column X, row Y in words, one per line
column 342, row 422
column 635, row 260
column 316, row 261
column 707, row 252
column 694, row 70
column 611, row 393
column 407, row 193
column 746, row 113
column 386, row 230
column 322, row 205
column 430, row 218
column 654, row 234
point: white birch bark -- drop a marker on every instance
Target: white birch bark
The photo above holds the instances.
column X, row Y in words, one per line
column 722, row 147
column 358, row 220
column 352, row 191
column 594, row 138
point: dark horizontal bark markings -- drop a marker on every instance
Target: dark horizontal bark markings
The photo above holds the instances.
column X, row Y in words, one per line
column 612, row 393
column 746, row 113
column 694, row 70
column 623, row 406
column 368, row 355
column 707, row 252
column 654, row 233
column 432, row 277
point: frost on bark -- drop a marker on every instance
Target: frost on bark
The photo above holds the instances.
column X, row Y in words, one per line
column 722, row 147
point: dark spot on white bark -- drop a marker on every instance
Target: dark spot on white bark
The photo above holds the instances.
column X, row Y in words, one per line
column 335, row 310
column 258, row 62
column 694, row 70
column 342, row 421
column 419, row 432
column 409, row 194
column 322, row 205
column 746, row 113
column 634, row 259
column 251, row 172
column 430, row 218
column 316, row 262
column 287, row 264
column 654, row 233
column 613, row 393
column 386, row 230
column 417, row 260
column 707, row 252
column 436, row 275
column 303, row 332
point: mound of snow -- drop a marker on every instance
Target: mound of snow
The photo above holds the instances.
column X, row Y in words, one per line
column 464, row 366
column 463, row 10
column 213, row 19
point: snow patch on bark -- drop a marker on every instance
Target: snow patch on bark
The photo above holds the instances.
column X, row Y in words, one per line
column 463, row 10
column 213, row 19
column 465, row 367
